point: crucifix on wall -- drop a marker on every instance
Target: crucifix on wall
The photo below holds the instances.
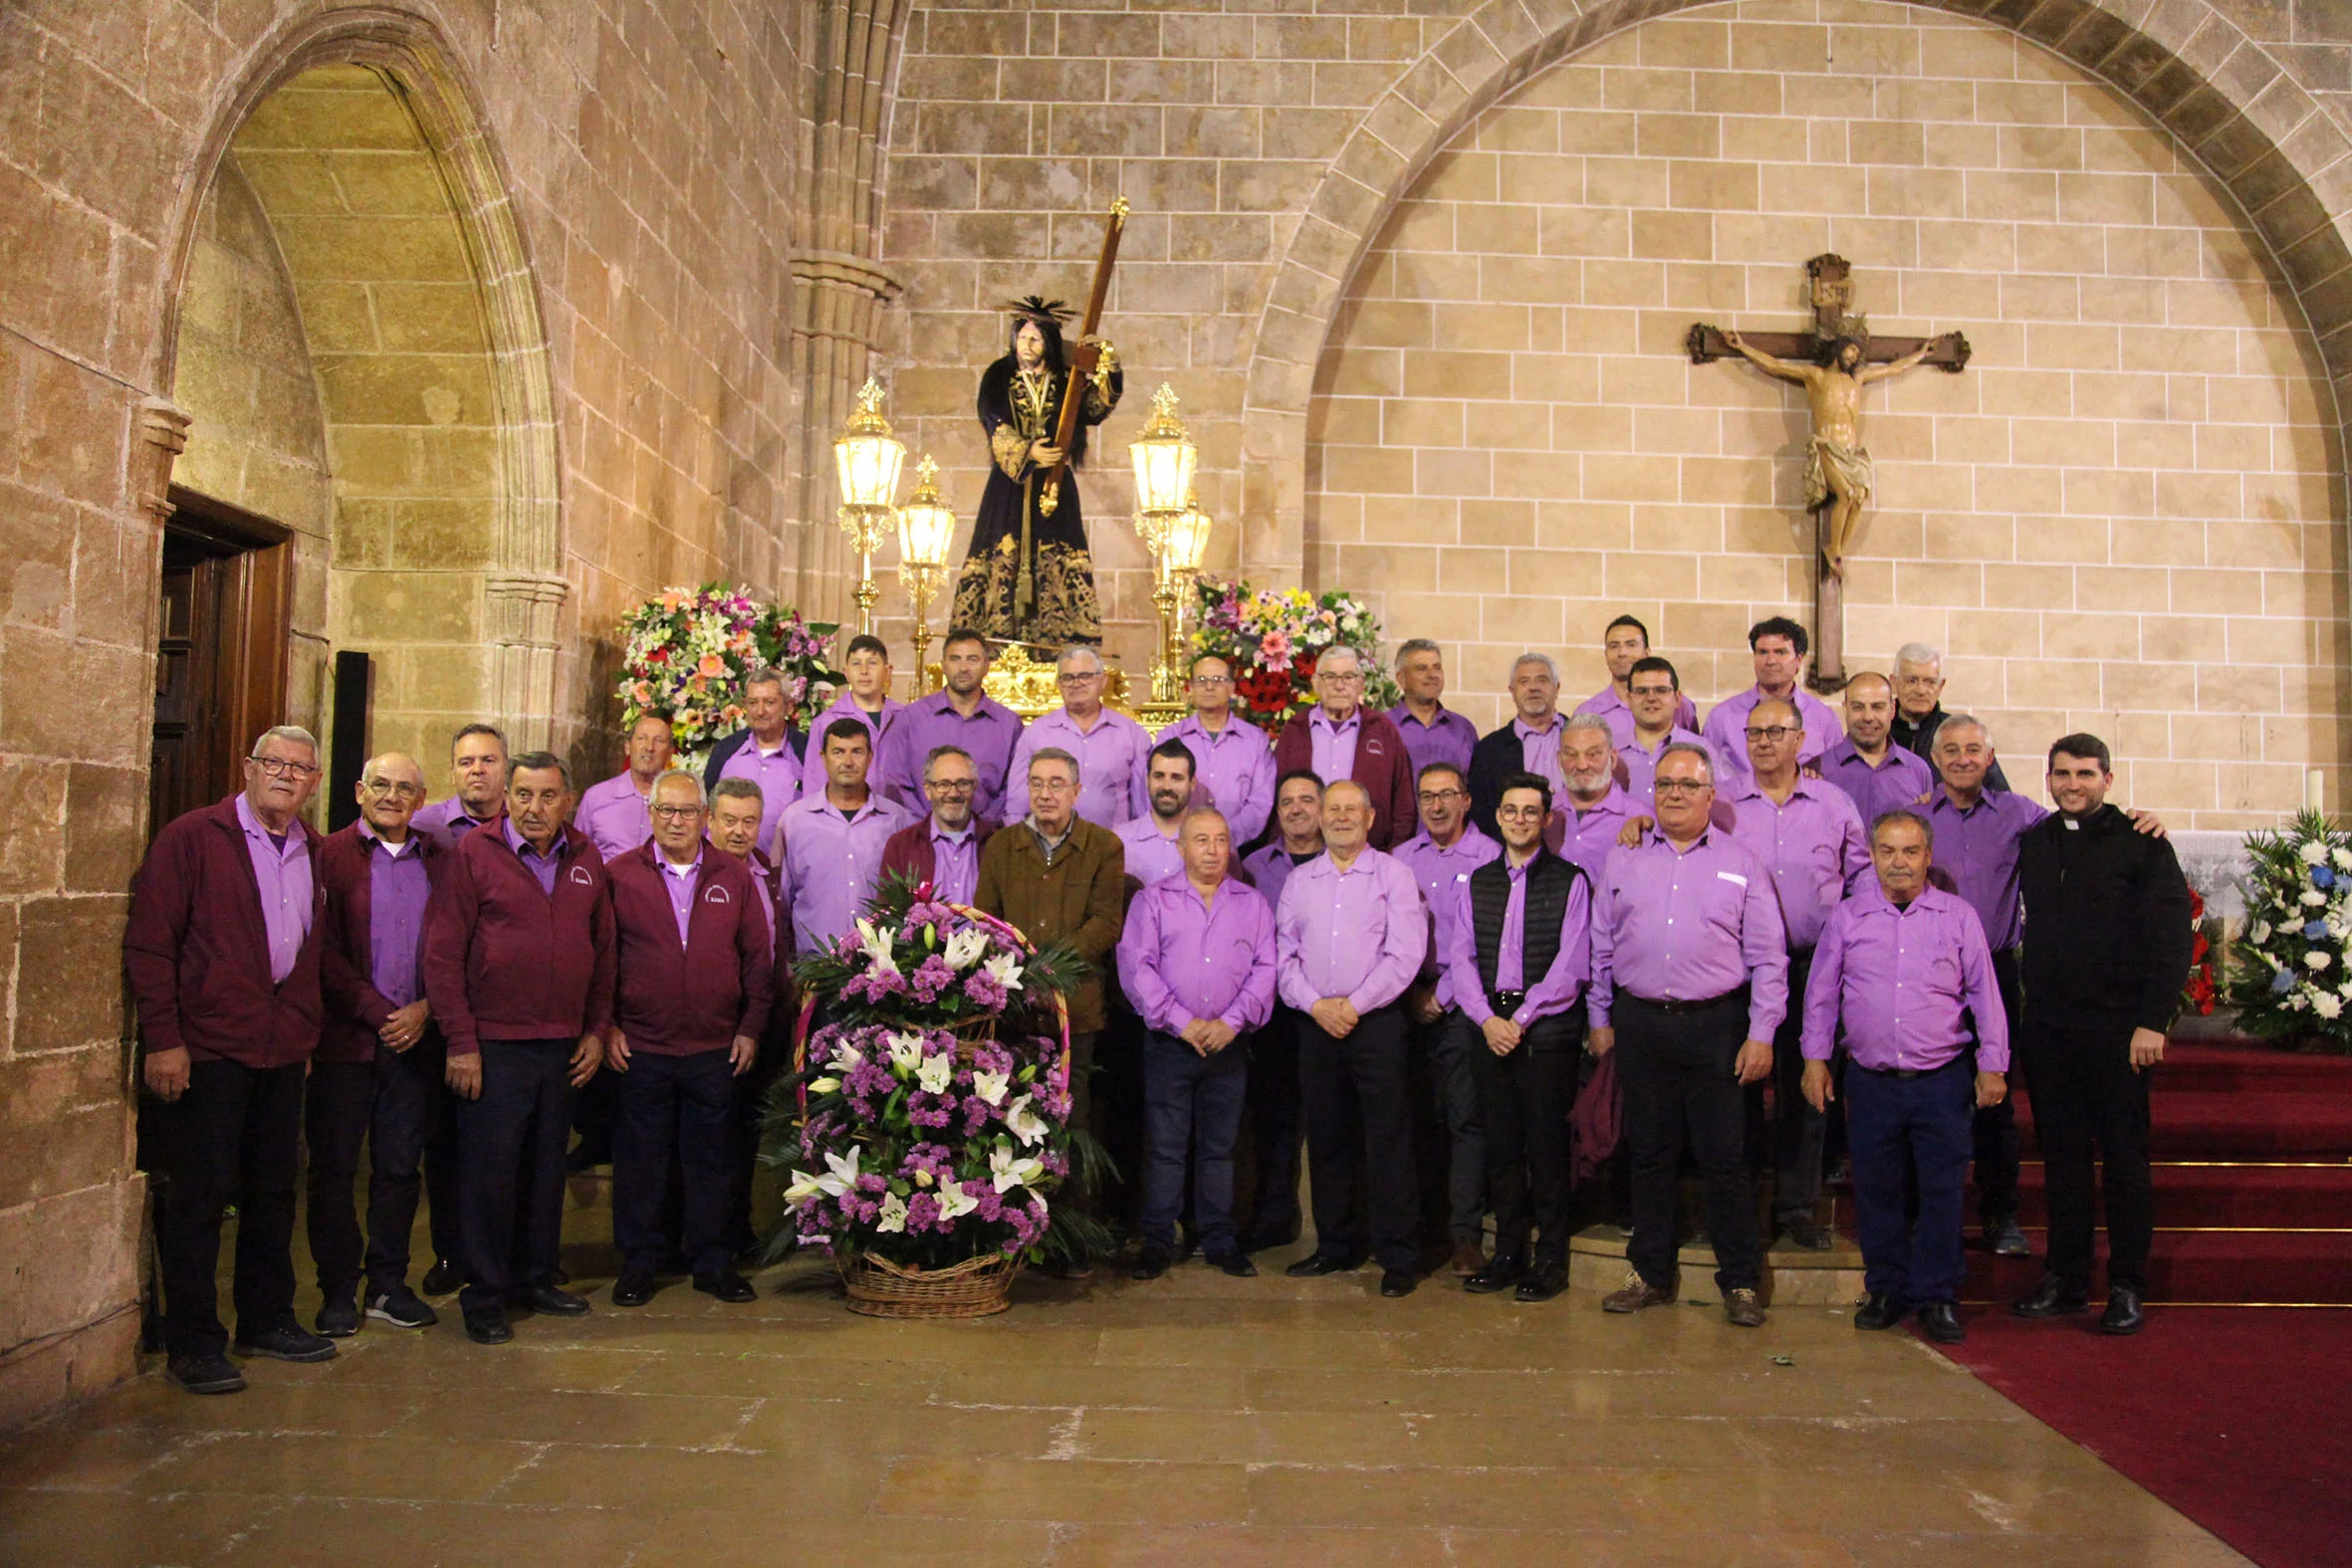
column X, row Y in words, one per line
column 1832, row 363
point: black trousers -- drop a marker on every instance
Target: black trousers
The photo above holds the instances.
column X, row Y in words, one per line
column 509, row 1180
column 747, row 1126
column 1798, row 1132
column 1911, row 1152
column 1524, row 1099
column 1359, row 1133
column 2088, row 1102
column 1277, row 1128
column 1192, row 1117
column 235, row 1137
column 1679, row 1071
column 415, row 1124
column 337, row 1102
column 1994, row 1133
column 594, row 1113
column 1448, row 1142
column 672, row 1111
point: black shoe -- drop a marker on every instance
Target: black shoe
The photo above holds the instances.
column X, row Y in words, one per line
column 1317, row 1264
column 632, row 1290
column 442, row 1278
column 548, row 1300
column 1941, row 1319
column 2052, row 1298
column 2124, row 1314
column 1235, row 1263
column 1267, row 1240
column 290, row 1343
column 1809, row 1233
column 1071, row 1268
column 1150, row 1264
column 1880, row 1311
column 1397, row 1281
column 1499, row 1272
column 339, row 1319
column 2007, row 1240
column 488, row 1326
column 400, row 1308
column 206, row 1374
column 1547, row 1279
column 727, row 1285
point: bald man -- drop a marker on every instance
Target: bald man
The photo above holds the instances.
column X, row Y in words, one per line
column 378, row 1075
column 1876, row 775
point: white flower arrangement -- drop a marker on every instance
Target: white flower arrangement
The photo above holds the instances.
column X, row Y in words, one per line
column 2289, row 975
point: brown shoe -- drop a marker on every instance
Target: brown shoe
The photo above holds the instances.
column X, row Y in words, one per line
column 1636, row 1295
column 1742, row 1309
column 1469, row 1258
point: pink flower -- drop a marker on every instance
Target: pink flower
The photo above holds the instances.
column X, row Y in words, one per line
column 1273, row 649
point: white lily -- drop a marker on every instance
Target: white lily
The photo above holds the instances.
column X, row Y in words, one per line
column 991, row 1086
column 954, row 1201
column 876, row 943
column 846, row 1058
column 1026, row 1124
column 1007, row 1171
column 922, row 1178
column 2326, row 1003
column 906, row 1051
column 935, row 1072
column 893, row 1216
column 841, row 1173
column 966, row 947
column 823, row 1085
column 802, row 1188
column 1005, row 969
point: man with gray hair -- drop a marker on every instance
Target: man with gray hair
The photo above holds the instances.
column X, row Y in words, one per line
column 1339, row 738
column 1919, row 706
column 222, row 953
column 1433, row 732
column 1109, row 746
column 766, row 752
column 1530, row 743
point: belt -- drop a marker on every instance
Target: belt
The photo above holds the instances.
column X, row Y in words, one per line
column 1898, row 1075
column 1700, row 1005
column 1506, row 1002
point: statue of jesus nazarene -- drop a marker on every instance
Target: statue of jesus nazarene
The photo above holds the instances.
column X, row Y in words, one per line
column 1030, row 575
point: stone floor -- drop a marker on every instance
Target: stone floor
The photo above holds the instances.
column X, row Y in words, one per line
column 1197, row 1420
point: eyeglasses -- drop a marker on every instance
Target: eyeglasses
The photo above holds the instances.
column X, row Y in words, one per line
column 1682, row 785
column 1521, row 813
column 395, row 788
column 281, row 768
column 1051, row 786
column 1775, row 733
column 1651, row 690
column 1341, row 677
column 1212, row 680
column 676, row 813
column 1439, row 797
column 1079, row 679
column 951, row 786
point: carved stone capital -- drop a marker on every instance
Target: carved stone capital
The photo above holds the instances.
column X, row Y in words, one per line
column 163, row 436
column 839, row 269
column 524, row 607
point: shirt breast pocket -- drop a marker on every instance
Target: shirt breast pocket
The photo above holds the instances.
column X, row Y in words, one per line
column 1943, row 973
column 1725, row 907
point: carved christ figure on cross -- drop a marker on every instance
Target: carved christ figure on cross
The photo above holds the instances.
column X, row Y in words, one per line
column 1837, row 465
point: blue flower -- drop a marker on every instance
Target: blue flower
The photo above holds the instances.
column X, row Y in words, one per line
column 2322, row 878
column 2315, row 931
column 2282, row 983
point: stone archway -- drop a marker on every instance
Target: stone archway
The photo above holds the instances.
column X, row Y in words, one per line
column 2187, row 65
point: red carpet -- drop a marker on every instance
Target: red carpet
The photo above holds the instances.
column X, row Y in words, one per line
column 2242, row 1418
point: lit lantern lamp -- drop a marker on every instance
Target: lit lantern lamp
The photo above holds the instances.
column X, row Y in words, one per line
column 868, row 457
column 1184, row 539
column 926, row 530
column 1165, row 459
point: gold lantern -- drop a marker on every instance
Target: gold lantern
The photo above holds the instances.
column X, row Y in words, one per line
column 868, row 457
column 1164, row 459
column 926, row 531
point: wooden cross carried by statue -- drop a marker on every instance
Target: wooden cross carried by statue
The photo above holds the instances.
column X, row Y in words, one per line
column 1832, row 363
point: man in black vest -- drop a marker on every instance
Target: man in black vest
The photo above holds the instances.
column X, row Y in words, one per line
column 2107, row 944
column 1521, row 940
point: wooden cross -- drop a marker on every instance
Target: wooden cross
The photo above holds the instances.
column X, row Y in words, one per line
column 1831, row 290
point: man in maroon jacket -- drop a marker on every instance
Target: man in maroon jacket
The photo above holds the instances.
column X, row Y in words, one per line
column 380, row 1072
column 222, row 953
column 519, row 971
column 943, row 848
column 1339, row 738
column 692, row 960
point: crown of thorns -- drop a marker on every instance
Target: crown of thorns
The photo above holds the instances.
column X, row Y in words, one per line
column 1047, row 313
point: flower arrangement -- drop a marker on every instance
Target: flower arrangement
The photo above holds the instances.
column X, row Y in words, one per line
column 2199, row 993
column 1273, row 638
column 2289, row 976
column 685, row 652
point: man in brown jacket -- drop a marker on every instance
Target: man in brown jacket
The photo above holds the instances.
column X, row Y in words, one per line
column 1058, row 877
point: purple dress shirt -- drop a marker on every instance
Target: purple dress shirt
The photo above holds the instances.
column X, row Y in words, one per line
column 1897, row 980
column 541, row 867
column 878, row 727
column 1182, row 958
column 955, row 864
column 1538, row 751
column 833, row 863
column 1107, row 757
column 282, row 873
column 1813, row 847
column 1641, row 766
column 1727, row 729
column 777, row 773
column 1152, row 856
column 615, row 815
column 1587, row 834
column 1441, row 871
column 1896, row 782
column 679, row 881
column 447, row 820
column 1358, row 933
column 989, row 735
column 1978, row 848
column 1270, row 869
column 1237, row 764
column 1331, row 746
column 1556, row 990
column 1687, row 926
column 1450, row 740
column 1611, row 706
column 397, row 891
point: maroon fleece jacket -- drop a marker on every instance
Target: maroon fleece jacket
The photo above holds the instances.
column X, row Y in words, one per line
column 909, row 849
column 505, row 962
column 356, row 1009
column 1381, row 767
column 678, row 1000
column 198, row 955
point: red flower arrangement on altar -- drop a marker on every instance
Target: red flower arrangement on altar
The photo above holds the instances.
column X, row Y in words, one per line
column 685, row 652
column 2198, row 994
column 1272, row 639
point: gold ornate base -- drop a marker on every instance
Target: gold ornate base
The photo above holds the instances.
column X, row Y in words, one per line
column 1026, row 686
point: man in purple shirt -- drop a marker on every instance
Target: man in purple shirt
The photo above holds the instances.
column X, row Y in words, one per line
column 1275, row 1131
column 1154, row 848
column 1899, row 971
column 1108, row 745
column 833, row 840
column 762, row 753
column 1197, row 959
column 1353, row 935
column 1448, row 1149
column 1779, row 646
column 477, row 760
column 1622, row 645
column 1655, row 691
column 1233, row 757
column 1519, row 953
column 1433, row 732
column 614, row 813
column 1877, row 774
column 1530, row 743
column 1688, row 957
column 1591, row 812
column 961, row 714
column 866, row 661
column 1808, row 838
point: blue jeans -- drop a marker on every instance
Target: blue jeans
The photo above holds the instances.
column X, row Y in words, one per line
column 1192, row 1109
column 1895, row 1126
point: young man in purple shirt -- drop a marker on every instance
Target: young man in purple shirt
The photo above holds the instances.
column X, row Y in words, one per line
column 1625, row 642
column 612, row 814
column 868, row 699
column 1433, row 732
column 1655, row 692
column 960, row 714
column 1275, row 1131
column 1877, row 774
column 1900, row 969
column 1234, row 757
column 1197, row 960
column 832, row 839
column 1155, row 849
column 1779, row 646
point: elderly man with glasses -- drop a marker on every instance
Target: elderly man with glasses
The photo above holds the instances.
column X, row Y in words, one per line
column 1341, row 739
column 1109, row 746
column 1233, row 761
column 943, row 849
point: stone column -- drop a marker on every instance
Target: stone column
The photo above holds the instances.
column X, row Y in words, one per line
column 524, row 609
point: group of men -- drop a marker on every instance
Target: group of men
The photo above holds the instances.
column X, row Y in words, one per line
column 1383, row 938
